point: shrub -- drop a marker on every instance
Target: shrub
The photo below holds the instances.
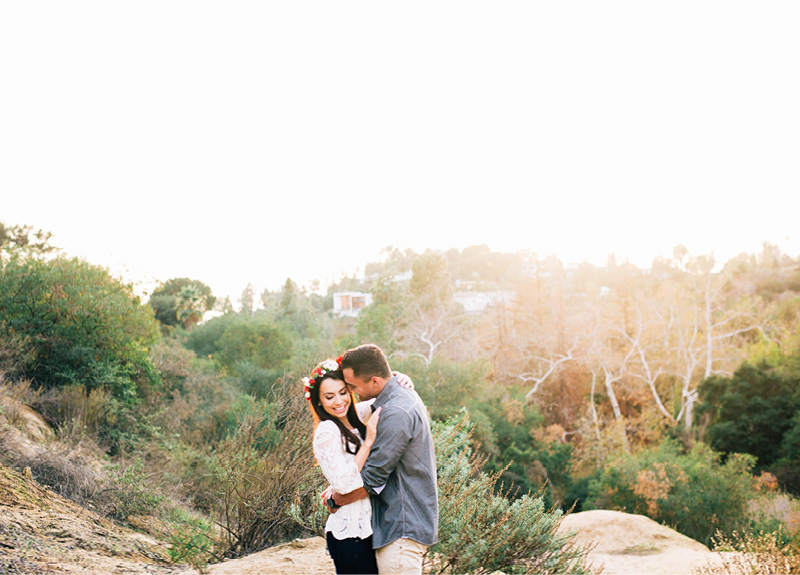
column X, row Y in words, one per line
column 261, row 464
column 69, row 474
column 128, row 492
column 77, row 325
column 481, row 530
column 692, row 492
column 74, row 409
column 192, row 540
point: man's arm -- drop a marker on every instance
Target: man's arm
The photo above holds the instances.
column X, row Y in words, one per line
column 346, row 498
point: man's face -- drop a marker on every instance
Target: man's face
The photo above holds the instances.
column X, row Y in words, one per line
column 364, row 389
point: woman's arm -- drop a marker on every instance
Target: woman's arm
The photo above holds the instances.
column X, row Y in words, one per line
column 341, row 498
column 340, row 472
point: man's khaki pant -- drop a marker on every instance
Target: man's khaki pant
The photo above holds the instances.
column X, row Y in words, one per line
column 401, row 557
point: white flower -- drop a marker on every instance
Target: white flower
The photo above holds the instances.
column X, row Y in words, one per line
column 306, row 380
column 330, row 364
column 308, row 395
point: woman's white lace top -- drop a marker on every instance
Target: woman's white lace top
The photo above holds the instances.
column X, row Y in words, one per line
column 355, row 519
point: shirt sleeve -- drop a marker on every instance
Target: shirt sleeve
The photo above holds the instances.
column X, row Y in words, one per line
column 395, row 432
column 338, row 469
column 364, row 409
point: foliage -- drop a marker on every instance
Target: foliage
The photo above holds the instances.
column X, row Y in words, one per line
column 262, row 344
column 192, row 540
column 787, row 468
column 378, row 322
column 23, row 242
column 78, row 324
column 181, row 301
column 204, row 338
column 483, row 531
column 750, row 412
column 529, row 455
column 692, row 492
column 251, row 348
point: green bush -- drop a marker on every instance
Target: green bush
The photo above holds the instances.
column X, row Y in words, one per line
column 694, row 493
column 78, row 325
column 192, row 540
column 481, row 529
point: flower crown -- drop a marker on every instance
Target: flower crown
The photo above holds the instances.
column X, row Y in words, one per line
column 323, row 368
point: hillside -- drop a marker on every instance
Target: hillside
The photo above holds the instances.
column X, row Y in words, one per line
column 41, row 532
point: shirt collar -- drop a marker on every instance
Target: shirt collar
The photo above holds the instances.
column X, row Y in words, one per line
column 386, row 392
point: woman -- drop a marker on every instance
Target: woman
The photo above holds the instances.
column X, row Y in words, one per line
column 341, row 445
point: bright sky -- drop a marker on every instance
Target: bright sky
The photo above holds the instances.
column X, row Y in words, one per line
column 237, row 142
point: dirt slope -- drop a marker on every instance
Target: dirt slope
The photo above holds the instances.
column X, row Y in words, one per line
column 41, row 532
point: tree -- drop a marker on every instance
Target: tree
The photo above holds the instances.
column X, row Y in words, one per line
column 79, row 324
column 247, row 301
column 262, row 344
column 704, row 326
column 379, row 322
column 23, row 241
column 434, row 319
column 181, row 296
column 190, row 306
column 750, row 412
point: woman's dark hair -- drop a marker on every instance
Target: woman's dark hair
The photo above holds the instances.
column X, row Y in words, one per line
column 352, row 442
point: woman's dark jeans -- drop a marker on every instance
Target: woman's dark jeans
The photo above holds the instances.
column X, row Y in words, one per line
column 352, row 556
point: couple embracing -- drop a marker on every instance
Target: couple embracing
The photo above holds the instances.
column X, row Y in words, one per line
column 377, row 454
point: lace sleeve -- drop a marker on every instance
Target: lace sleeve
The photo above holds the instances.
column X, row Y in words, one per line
column 338, row 468
column 364, row 409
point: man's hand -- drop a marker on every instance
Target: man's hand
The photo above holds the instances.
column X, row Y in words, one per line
column 345, row 499
column 325, row 496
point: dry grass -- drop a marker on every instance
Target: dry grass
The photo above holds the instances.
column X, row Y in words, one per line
column 747, row 554
column 263, row 466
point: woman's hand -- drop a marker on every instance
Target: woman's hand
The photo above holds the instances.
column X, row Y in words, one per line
column 372, row 427
column 403, row 380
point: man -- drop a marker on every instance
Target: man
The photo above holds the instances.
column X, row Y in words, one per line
column 400, row 472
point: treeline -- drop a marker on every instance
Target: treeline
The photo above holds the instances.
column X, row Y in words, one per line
column 673, row 392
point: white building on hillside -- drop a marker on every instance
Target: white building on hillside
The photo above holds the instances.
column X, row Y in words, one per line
column 350, row 303
column 477, row 301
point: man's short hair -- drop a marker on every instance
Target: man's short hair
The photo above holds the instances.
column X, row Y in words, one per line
column 367, row 361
